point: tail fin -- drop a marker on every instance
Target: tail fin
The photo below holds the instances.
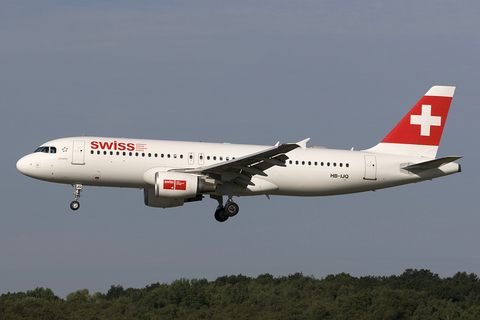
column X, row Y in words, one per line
column 420, row 131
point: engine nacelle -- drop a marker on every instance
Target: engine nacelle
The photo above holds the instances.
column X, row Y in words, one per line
column 181, row 185
column 152, row 201
column 172, row 189
column 175, row 185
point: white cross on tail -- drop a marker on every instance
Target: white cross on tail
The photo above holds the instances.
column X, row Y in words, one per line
column 426, row 120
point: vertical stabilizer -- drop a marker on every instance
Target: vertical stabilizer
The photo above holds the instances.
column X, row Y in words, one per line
column 420, row 131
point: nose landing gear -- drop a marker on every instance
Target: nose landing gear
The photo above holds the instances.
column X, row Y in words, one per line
column 74, row 205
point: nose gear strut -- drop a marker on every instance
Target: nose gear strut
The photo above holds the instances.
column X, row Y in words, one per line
column 74, row 205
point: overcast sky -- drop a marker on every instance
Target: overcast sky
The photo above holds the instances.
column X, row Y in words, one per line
column 254, row 72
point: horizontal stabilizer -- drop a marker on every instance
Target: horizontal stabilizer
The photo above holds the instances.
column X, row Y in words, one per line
column 432, row 164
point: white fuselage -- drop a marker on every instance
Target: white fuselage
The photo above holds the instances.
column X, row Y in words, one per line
column 174, row 172
column 132, row 163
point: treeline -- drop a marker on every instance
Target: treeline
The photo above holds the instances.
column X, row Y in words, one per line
column 416, row 294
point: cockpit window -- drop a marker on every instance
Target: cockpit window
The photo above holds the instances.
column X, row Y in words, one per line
column 46, row 150
column 42, row 149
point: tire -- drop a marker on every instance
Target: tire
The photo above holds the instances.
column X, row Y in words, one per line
column 74, row 205
column 231, row 209
column 220, row 215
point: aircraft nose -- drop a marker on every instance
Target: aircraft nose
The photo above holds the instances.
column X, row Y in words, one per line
column 23, row 165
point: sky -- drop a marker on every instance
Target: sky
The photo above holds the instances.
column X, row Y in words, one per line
column 253, row 72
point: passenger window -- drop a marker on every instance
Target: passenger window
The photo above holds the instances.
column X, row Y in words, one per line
column 91, row 151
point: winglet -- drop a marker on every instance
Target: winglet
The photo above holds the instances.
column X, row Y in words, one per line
column 303, row 144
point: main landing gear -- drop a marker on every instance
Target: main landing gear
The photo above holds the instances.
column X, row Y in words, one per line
column 74, row 205
column 224, row 212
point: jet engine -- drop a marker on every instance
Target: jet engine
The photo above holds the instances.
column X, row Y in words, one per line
column 172, row 189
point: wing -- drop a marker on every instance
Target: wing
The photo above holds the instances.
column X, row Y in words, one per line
column 241, row 170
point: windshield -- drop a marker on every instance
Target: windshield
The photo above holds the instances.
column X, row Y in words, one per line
column 46, row 150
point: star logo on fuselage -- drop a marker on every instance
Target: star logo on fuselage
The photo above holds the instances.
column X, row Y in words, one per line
column 65, row 149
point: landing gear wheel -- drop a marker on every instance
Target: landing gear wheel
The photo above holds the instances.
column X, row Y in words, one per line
column 74, row 205
column 231, row 208
column 220, row 215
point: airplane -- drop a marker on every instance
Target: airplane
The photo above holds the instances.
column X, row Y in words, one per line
column 172, row 173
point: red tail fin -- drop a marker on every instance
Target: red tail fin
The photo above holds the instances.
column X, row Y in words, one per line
column 420, row 131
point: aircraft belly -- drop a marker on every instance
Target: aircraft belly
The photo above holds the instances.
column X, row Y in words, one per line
column 118, row 175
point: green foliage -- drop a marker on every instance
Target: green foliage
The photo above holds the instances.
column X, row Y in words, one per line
column 415, row 294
